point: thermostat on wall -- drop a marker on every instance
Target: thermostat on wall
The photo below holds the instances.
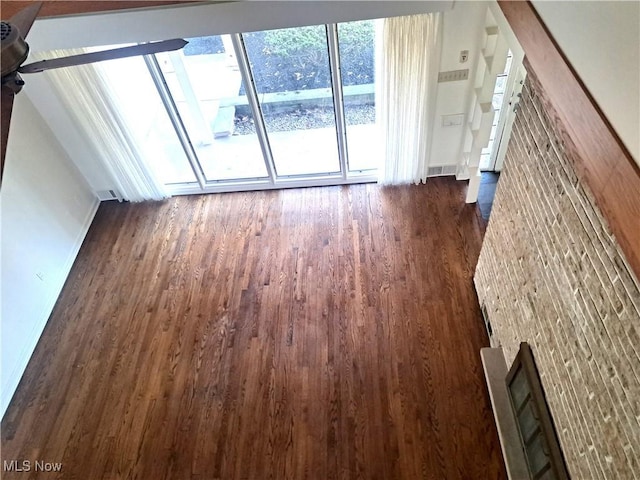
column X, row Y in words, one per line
column 452, row 120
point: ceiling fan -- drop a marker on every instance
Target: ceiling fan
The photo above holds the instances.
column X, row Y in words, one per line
column 15, row 51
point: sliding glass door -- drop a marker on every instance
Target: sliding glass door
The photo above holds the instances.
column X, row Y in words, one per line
column 137, row 103
column 290, row 68
column 206, row 85
column 288, row 107
column 357, row 43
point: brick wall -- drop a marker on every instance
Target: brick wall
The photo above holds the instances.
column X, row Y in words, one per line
column 550, row 273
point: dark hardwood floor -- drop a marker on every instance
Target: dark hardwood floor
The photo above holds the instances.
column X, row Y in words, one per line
column 321, row 333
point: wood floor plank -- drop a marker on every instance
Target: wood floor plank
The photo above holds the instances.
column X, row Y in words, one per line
column 319, row 333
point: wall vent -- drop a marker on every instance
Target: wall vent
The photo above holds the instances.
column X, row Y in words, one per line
column 104, row 195
column 442, row 170
column 493, row 341
column 453, row 75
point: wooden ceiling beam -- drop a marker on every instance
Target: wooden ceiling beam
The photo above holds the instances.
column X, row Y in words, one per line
column 56, row 8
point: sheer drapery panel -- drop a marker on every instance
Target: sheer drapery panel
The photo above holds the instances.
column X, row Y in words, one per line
column 408, row 72
column 95, row 108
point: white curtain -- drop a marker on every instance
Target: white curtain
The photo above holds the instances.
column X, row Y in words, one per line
column 408, row 73
column 95, row 108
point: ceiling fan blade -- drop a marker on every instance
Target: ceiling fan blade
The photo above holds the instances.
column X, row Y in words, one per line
column 6, row 103
column 25, row 18
column 135, row 50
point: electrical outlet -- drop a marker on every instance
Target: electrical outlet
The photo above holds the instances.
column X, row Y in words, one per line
column 464, row 56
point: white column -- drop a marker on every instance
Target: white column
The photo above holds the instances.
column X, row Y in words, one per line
column 474, row 184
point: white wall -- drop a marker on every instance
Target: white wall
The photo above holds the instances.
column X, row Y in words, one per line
column 602, row 42
column 462, row 30
column 63, row 126
column 46, row 209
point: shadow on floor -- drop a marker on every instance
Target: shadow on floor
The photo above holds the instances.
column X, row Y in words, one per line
column 486, row 193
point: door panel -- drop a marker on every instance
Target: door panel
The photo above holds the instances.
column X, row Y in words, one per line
column 206, row 85
column 146, row 119
column 290, row 68
column 357, row 46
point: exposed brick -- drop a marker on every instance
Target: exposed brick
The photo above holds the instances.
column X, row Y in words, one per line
column 551, row 273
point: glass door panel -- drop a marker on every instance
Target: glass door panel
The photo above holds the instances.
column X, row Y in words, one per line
column 356, row 42
column 290, row 68
column 206, row 85
column 140, row 106
column 488, row 156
